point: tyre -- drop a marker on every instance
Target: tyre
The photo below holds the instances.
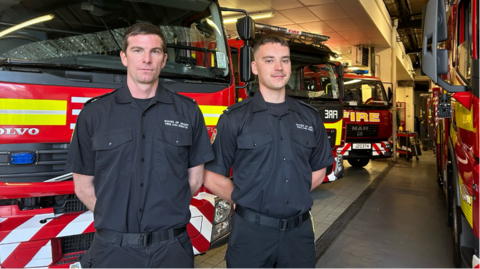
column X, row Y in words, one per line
column 456, row 230
column 359, row 163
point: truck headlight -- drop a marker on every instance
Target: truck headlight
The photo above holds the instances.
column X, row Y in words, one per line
column 223, row 209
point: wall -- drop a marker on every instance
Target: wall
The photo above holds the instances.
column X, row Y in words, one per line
column 406, row 94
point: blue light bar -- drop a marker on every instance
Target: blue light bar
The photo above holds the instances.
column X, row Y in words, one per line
column 360, row 72
column 22, row 158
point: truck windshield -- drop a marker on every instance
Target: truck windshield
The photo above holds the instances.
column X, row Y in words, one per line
column 360, row 92
column 89, row 33
column 319, row 82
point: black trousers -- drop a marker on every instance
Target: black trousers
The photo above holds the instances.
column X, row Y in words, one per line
column 252, row 245
column 176, row 252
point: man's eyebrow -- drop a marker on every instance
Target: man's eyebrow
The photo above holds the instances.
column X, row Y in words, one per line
column 270, row 57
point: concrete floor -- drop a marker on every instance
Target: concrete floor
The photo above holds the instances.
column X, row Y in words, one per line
column 402, row 224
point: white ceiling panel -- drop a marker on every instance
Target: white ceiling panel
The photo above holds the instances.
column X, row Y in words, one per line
column 318, row 27
column 300, row 15
column 316, row 2
column 249, row 5
column 328, row 12
column 353, row 8
column 342, row 25
column 277, row 20
column 282, row 4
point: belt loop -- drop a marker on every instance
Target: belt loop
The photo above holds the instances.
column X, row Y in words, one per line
column 171, row 235
column 118, row 239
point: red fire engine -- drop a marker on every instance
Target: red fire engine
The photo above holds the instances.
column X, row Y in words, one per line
column 326, row 96
column 49, row 66
column 369, row 121
column 456, row 115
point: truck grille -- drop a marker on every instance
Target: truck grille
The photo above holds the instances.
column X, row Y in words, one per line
column 50, row 160
column 76, row 243
column 68, row 204
column 355, row 130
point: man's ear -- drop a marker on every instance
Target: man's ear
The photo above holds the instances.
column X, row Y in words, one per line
column 123, row 57
column 254, row 68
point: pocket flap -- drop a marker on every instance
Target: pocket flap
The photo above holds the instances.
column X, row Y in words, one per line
column 180, row 138
column 304, row 138
column 111, row 139
column 253, row 140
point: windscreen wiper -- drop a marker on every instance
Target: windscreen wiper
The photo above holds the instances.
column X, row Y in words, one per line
column 13, row 62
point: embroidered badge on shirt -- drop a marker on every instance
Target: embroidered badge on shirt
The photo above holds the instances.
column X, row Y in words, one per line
column 214, row 135
column 304, row 127
column 177, row 123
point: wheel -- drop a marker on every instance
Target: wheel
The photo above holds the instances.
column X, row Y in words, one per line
column 457, row 230
column 359, row 163
column 425, row 148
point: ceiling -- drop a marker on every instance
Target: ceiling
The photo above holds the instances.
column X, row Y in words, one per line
column 345, row 21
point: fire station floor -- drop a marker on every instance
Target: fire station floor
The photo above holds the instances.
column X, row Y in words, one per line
column 382, row 215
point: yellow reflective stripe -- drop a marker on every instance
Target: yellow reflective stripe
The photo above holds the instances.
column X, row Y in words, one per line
column 337, row 126
column 211, row 114
column 464, row 117
column 32, row 112
column 466, row 207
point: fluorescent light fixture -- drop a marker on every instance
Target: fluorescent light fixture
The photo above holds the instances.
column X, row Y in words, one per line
column 333, row 59
column 260, row 15
column 351, row 81
column 211, row 23
column 26, row 23
column 353, row 67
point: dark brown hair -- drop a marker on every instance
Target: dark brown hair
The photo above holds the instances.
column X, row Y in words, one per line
column 269, row 39
column 143, row 28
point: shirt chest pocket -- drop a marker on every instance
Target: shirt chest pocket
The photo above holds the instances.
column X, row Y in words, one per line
column 172, row 149
column 254, row 152
column 303, row 143
column 113, row 151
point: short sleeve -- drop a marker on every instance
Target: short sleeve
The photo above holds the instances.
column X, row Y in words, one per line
column 224, row 147
column 201, row 150
column 81, row 157
column 321, row 156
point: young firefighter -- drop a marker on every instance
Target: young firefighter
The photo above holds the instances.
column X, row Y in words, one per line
column 137, row 155
column 279, row 151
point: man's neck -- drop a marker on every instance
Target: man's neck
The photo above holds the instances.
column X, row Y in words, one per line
column 273, row 96
column 142, row 91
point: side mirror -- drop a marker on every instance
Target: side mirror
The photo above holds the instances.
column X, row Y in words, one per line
column 341, row 88
column 390, row 94
column 246, row 53
column 246, row 28
column 339, row 70
column 435, row 61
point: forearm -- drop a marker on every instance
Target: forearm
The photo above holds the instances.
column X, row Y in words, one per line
column 195, row 178
column 219, row 185
column 317, row 178
column 85, row 190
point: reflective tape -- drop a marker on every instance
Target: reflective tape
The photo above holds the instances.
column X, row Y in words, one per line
column 211, row 114
column 32, row 112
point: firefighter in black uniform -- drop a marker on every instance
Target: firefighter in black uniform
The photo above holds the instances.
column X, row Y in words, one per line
column 137, row 155
column 279, row 150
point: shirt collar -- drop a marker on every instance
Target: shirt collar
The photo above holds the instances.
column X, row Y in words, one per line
column 124, row 96
column 259, row 103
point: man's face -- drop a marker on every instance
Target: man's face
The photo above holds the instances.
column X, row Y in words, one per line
column 144, row 58
column 272, row 65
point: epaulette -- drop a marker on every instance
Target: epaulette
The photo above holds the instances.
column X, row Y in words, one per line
column 307, row 105
column 183, row 96
column 237, row 105
column 93, row 99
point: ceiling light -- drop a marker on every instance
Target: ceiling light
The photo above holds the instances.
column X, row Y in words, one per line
column 351, row 81
column 333, row 59
column 260, row 15
column 27, row 23
column 353, row 67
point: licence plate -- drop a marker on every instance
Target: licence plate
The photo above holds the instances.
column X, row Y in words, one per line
column 362, row 146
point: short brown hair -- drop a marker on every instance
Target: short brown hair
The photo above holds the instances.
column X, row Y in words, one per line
column 143, row 28
column 269, row 39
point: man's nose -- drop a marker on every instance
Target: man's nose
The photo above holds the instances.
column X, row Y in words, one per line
column 146, row 58
column 278, row 65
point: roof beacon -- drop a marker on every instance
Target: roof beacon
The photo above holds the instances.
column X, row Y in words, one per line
column 314, row 38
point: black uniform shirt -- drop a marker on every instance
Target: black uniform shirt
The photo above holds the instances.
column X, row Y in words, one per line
column 272, row 156
column 140, row 158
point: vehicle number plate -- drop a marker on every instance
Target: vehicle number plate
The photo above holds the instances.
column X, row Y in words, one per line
column 362, row 146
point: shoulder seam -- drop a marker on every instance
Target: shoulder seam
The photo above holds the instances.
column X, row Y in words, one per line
column 236, row 105
column 93, row 99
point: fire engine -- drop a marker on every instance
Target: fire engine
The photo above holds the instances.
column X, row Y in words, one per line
column 453, row 65
column 305, row 56
column 369, row 122
column 55, row 57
